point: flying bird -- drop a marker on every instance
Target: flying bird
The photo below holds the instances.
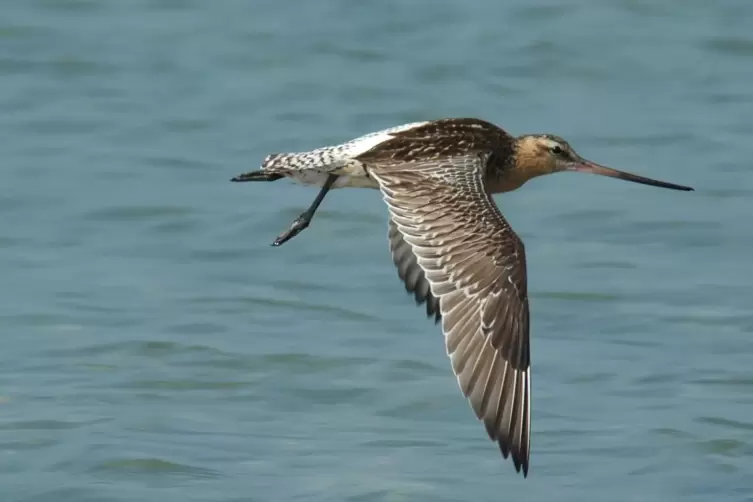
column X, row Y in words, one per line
column 453, row 248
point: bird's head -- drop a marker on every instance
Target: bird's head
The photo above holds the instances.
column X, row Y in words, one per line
column 539, row 154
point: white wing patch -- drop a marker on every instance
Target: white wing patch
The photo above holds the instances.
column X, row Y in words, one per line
column 363, row 144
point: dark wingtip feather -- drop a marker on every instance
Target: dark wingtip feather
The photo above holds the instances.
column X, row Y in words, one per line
column 519, row 459
column 504, row 449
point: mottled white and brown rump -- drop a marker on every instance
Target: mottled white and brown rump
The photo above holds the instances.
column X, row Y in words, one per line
column 313, row 167
column 407, row 142
column 474, row 266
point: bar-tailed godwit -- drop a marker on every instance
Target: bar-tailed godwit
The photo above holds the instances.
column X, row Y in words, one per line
column 452, row 247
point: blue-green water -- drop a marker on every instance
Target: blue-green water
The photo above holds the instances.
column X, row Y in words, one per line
column 155, row 348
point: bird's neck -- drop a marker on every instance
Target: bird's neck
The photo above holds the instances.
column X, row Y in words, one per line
column 505, row 184
column 507, row 176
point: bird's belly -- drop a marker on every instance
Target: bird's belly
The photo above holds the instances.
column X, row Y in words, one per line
column 317, row 178
column 356, row 182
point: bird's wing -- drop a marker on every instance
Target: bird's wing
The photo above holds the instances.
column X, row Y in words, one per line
column 410, row 272
column 475, row 265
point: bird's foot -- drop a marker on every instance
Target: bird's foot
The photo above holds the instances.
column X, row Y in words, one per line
column 296, row 228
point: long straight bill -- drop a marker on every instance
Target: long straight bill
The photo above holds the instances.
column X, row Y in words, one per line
column 586, row 166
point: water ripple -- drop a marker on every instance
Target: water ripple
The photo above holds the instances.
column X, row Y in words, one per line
column 156, row 346
column 152, row 467
column 48, row 425
column 138, row 213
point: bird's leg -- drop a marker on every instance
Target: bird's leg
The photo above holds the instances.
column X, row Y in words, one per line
column 304, row 219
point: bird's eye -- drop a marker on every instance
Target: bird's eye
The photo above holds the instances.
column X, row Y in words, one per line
column 556, row 149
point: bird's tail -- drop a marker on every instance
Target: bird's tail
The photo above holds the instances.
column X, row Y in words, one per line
column 258, row 175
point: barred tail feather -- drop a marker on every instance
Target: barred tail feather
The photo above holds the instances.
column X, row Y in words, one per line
column 269, row 166
column 259, row 175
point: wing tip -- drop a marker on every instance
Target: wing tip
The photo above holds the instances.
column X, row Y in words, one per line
column 519, row 459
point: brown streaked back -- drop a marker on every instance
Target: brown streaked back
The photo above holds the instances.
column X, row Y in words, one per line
column 443, row 138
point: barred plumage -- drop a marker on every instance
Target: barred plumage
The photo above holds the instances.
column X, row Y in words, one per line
column 313, row 167
column 452, row 247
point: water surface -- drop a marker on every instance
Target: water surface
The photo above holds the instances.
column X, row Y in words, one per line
column 156, row 348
